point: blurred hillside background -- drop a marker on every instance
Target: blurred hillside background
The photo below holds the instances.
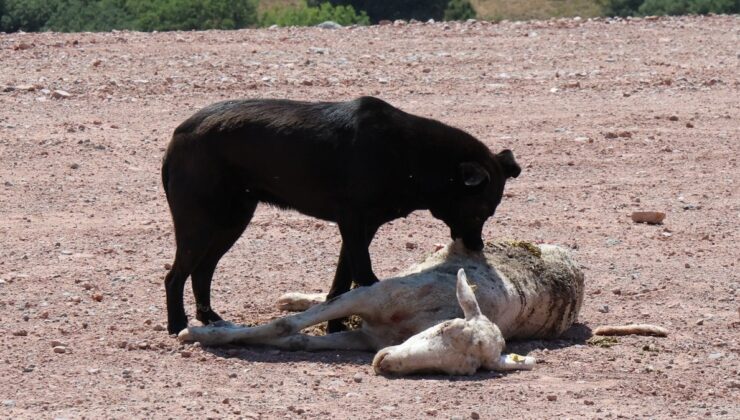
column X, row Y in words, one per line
column 163, row 15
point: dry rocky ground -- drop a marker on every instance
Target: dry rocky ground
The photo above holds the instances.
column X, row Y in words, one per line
column 606, row 118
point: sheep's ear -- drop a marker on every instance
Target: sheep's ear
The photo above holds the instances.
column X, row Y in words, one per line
column 466, row 297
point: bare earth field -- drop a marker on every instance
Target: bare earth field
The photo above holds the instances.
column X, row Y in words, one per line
column 605, row 117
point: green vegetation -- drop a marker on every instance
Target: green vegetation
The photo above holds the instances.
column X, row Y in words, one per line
column 163, row 15
column 459, row 10
column 497, row 10
column 304, row 15
column 379, row 10
column 669, row 7
column 144, row 15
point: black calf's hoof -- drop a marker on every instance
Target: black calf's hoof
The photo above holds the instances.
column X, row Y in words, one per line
column 176, row 327
column 208, row 317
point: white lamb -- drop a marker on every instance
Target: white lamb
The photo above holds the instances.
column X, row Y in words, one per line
column 413, row 321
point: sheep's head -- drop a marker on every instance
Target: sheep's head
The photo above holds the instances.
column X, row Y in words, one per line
column 458, row 346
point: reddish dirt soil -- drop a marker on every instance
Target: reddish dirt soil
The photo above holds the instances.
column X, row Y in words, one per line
column 606, row 118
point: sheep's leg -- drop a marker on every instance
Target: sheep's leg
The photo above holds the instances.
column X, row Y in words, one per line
column 296, row 302
column 357, row 301
column 345, row 340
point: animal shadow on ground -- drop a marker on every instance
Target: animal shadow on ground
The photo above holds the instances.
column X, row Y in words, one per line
column 576, row 334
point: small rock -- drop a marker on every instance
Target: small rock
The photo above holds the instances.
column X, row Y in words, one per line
column 588, row 402
column 232, row 375
column 715, row 356
column 29, row 368
column 158, row 327
column 186, row 353
column 552, row 397
column 611, row 135
column 168, row 266
column 60, row 349
column 649, row 217
column 617, row 291
column 700, row 321
column 27, row 88
column 225, row 401
column 57, row 343
column 20, row 333
column 60, row 94
column 411, row 245
column 23, row 46
column 8, row 403
column 358, row 377
column 687, row 265
column 474, row 415
column 329, row 25
column 689, row 125
column 604, row 309
column 625, row 134
column 673, row 118
column 74, row 166
column 97, row 297
column 432, row 412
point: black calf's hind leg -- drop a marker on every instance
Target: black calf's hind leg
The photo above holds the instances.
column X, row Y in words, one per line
column 223, row 239
column 174, row 284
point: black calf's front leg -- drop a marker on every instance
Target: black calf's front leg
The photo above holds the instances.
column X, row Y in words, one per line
column 346, row 272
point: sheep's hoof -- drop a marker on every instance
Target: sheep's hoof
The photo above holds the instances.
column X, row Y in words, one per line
column 184, row 336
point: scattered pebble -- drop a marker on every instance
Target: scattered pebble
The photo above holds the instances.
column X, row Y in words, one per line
column 186, row 353
column 673, row 118
column 552, row 397
column 604, row 309
column 358, row 377
column 60, row 349
column 329, row 25
column 474, row 415
column 60, row 94
column 20, row 333
column 649, row 217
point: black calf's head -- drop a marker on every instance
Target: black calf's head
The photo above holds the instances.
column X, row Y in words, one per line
column 477, row 192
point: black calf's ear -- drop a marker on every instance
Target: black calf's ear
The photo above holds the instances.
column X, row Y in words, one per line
column 508, row 163
column 473, row 174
